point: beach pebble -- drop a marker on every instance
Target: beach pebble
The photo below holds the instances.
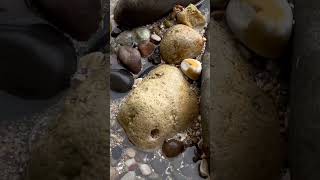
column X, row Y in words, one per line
column 130, row 162
column 191, row 68
column 131, row 175
column 204, row 169
column 179, row 43
column 130, row 58
column 155, row 39
column 191, row 17
column 142, row 34
column 126, row 38
column 172, row 148
column 155, row 58
column 145, row 169
column 146, row 48
column 116, row 152
column 121, row 80
column 131, row 152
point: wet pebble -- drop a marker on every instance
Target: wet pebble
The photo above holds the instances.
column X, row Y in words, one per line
column 130, row 58
column 172, row 148
column 116, row 152
column 155, row 58
column 115, row 32
column 126, row 38
column 145, row 169
column 133, row 167
column 131, row 175
column 155, row 39
column 131, row 152
column 142, row 34
column 130, row 162
column 121, row 80
column 146, row 48
column 204, row 169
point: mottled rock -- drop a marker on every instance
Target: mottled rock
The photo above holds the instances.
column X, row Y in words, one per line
column 133, row 13
column 263, row 26
column 146, row 48
column 173, row 109
column 121, row 80
column 172, row 148
column 130, row 58
column 191, row 68
column 168, row 23
column 191, row 17
column 179, row 43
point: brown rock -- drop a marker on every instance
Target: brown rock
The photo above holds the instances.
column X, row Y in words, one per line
column 172, row 148
column 146, row 48
column 130, row 58
column 191, row 17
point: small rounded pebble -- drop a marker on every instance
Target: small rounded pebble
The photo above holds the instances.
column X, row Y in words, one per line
column 146, row 48
column 133, row 167
column 155, row 39
column 130, row 58
column 130, row 162
column 116, row 152
column 115, row 32
column 203, row 168
column 131, row 175
column 131, row 152
column 167, row 23
column 145, row 169
column 142, row 34
column 172, row 148
column 191, row 68
column 126, row 38
column 121, row 80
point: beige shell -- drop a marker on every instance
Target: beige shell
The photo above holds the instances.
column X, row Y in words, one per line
column 162, row 105
column 179, row 43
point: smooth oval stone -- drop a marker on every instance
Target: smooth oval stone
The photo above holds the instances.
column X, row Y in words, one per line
column 172, row 148
column 146, row 48
column 142, row 34
column 79, row 18
column 179, row 43
column 130, row 58
column 126, row 38
column 121, row 80
column 133, row 13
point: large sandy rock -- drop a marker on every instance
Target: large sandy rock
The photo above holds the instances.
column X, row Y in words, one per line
column 179, row 43
column 244, row 130
column 77, row 145
column 162, row 105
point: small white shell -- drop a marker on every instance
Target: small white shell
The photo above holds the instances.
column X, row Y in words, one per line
column 191, row 68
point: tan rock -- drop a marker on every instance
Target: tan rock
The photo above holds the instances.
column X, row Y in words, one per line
column 191, row 17
column 179, row 43
column 161, row 106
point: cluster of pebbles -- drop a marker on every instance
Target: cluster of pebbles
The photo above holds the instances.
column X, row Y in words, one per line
column 134, row 53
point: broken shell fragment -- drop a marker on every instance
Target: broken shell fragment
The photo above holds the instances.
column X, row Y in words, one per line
column 191, row 68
